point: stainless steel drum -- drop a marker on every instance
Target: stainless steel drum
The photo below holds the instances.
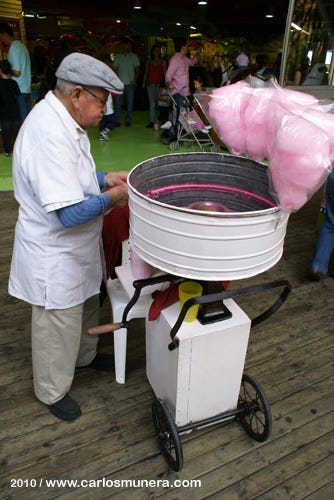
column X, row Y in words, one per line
column 175, row 224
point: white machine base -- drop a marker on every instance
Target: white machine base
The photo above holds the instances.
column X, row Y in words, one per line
column 201, row 378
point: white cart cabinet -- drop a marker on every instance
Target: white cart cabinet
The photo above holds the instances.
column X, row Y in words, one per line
column 201, row 378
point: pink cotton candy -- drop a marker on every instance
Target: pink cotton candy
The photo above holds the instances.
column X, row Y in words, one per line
column 299, row 136
column 226, row 114
column 293, row 130
column 295, row 178
column 292, row 98
column 259, row 129
column 291, row 197
column 323, row 120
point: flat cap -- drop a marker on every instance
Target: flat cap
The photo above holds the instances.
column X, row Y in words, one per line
column 86, row 70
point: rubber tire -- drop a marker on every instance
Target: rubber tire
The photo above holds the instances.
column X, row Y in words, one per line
column 256, row 418
column 166, row 431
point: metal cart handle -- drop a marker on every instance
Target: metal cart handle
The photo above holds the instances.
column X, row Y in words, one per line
column 138, row 286
column 215, row 297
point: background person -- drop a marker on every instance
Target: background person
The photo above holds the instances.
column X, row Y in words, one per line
column 108, row 121
column 19, row 59
column 127, row 66
column 9, row 108
column 242, row 58
column 155, row 71
column 57, row 263
column 177, row 74
column 325, row 241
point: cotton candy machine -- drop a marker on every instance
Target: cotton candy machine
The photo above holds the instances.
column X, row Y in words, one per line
column 176, row 224
column 208, row 217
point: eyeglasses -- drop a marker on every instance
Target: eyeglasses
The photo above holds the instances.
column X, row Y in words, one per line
column 103, row 102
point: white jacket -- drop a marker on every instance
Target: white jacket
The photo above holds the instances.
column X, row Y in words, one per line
column 53, row 266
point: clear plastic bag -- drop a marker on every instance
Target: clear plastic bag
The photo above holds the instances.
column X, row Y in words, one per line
column 292, row 130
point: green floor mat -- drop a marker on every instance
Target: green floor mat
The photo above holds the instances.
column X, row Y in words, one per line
column 127, row 147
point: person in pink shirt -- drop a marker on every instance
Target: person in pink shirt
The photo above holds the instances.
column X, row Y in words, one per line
column 177, row 74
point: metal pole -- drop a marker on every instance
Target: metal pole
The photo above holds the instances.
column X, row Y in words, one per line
column 286, row 41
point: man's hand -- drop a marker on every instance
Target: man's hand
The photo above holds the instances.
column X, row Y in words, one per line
column 118, row 196
column 113, row 179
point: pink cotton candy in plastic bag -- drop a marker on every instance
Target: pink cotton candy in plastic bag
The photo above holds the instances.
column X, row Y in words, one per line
column 300, row 161
column 226, row 113
column 291, row 99
column 298, row 135
column 291, row 197
column 260, row 131
column 323, row 120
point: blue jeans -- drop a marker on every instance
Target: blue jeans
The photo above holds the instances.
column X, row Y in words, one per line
column 24, row 102
column 152, row 93
column 129, row 93
column 108, row 122
column 325, row 241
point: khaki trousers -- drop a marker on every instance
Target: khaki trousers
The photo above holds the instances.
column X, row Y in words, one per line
column 60, row 342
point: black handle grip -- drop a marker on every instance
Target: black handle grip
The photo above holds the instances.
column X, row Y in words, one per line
column 215, row 297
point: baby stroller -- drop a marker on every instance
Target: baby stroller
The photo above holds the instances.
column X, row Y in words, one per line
column 188, row 128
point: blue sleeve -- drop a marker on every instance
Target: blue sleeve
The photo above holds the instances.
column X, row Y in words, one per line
column 100, row 178
column 82, row 212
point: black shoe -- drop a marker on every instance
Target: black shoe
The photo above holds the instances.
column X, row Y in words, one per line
column 150, row 125
column 103, row 362
column 65, row 409
column 315, row 275
column 128, row 124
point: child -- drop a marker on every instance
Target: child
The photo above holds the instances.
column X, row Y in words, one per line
column 198, row 85
column 108, row 121
column 9, row 108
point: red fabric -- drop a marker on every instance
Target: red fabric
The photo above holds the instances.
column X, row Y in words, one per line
column 225, row 285
column 155, row 73
column 163, row 299
column 114, row 231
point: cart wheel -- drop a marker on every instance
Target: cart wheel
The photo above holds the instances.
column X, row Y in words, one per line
column 256, row 418
column 215, row 149
column 169, row 441
column 174, row 146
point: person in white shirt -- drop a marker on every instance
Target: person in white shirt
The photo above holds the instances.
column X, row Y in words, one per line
column 57, row 263
column 108, row 121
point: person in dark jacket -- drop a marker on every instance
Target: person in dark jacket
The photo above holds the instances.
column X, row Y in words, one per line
column 9, row 108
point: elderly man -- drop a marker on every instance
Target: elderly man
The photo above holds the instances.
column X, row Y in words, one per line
column 57, row 263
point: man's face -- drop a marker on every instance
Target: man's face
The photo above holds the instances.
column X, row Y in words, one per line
column 126, row 47
column 184, row 50
column 90, row 104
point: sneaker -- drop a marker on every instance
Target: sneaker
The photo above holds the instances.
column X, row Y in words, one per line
column 103, row 136
column 167, row 125
column 128, row 124
column 6, row 154
column 66, row 409
column 150, row 125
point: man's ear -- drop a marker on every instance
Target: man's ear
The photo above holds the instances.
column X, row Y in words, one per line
column 75, row 94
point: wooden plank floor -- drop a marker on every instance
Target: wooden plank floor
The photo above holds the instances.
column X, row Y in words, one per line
column 291, row 355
